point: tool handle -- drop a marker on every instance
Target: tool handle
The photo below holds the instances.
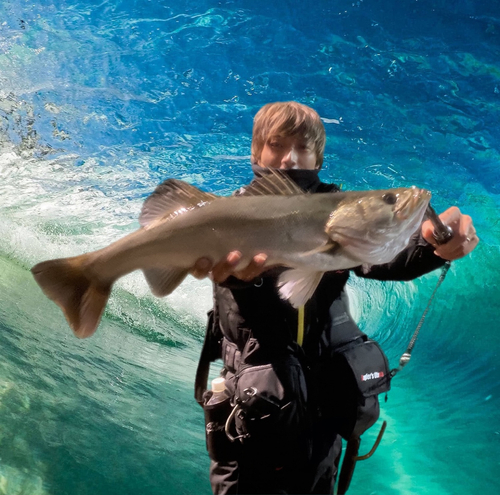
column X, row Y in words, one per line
column 442, row 233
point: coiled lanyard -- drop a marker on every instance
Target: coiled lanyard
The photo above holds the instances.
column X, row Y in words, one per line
column 405, row 357
column 442, row 234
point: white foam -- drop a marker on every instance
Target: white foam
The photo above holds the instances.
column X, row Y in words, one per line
column 63, row 211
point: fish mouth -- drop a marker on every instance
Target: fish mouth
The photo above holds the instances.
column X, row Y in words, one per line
column 416, row 202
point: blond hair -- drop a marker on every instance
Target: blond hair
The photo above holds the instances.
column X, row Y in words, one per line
column 285, row 119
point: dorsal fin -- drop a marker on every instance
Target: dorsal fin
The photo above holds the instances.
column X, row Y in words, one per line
column 171, row 197
column 275, row 182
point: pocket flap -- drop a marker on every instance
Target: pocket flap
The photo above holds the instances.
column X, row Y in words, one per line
column 370, row 367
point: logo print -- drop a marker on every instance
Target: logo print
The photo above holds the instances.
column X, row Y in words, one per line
column 372, row 376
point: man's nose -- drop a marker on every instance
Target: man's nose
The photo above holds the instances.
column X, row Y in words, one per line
column 289, row 159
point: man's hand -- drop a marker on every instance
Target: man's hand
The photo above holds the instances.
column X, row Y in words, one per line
column 464, row 238
column 225, row 268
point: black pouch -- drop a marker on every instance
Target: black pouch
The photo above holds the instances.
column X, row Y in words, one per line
column 271, row 407
column 351, row 380
column 219, row 447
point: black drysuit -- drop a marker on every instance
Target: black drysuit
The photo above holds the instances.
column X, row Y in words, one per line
column 308, row 458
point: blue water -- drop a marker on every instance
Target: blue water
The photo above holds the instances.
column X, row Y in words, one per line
column 101, row 100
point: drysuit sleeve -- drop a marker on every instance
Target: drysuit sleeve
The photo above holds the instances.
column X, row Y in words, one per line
column 416, row 260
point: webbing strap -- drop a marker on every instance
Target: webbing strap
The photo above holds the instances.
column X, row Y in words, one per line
column 300, row 326
column 231, row 356
column 203, row 370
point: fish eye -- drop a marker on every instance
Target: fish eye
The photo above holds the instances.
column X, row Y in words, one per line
column 390, row 198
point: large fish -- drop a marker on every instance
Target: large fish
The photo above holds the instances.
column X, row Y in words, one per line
column 309, row 233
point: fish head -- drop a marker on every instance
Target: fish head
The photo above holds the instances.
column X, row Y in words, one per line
column 372, row 227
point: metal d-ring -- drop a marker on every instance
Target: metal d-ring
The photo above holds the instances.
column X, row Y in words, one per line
column 249, row 392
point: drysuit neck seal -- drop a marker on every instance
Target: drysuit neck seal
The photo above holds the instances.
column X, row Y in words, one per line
column 308, row 180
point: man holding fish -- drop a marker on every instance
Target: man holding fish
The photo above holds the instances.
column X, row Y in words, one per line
column 279, row 252
column 248, row 307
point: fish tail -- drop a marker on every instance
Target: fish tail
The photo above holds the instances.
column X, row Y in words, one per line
column 81, row 297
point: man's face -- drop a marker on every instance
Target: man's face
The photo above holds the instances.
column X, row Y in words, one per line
column 289, row 152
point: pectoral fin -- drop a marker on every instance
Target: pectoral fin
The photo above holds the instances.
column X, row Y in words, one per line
column 298, row 285
column 329, row 248
column 164, row 281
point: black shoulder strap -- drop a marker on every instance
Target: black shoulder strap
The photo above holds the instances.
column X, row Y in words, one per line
column 208, row 354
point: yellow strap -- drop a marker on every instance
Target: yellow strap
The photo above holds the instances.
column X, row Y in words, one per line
column 300, row 326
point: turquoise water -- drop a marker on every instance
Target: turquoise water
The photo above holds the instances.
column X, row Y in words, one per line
column 101, row 100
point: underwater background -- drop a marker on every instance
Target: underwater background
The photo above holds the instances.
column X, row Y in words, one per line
column 100, row 100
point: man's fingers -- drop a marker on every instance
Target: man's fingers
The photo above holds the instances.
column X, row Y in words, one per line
column 428, row 231
column 226, row 267
column 464, row 239
column 254, row 268
column 222, row 270
column 202, row 268
column 450, row 215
